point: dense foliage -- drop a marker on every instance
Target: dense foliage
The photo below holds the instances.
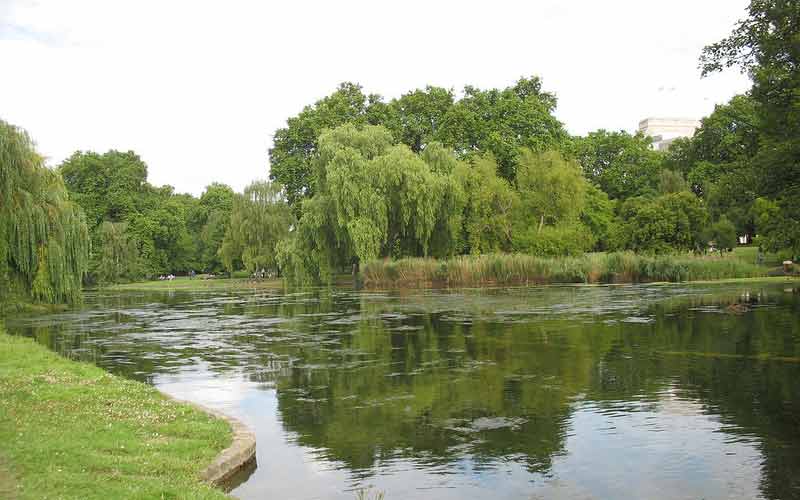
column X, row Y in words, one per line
column 375, row 198
column 620, row 164
column 552, row 196
column 208, row 224
column 669, row 222
column 260, row 218
column 140, row 230
column 354, row 178
column 493, row 121
column 44, row 242
column 427, row 174
column 765, row 45
column 506, row 177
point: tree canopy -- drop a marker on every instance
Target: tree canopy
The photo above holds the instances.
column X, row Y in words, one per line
column 433, row 172
column 160, row 231
column 208, row 223
column 44, row 240
column 621, row 164
column 375, row 198
column 765, row 45
column 260, row 218
column 495, row 121
column 670, row 222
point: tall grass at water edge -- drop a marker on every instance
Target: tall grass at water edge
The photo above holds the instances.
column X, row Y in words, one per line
column 620, row 267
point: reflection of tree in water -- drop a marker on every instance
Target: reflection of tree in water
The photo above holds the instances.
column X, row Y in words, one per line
column 491, row 390
column 435, row 391
column 479, row 378
column 746, row 369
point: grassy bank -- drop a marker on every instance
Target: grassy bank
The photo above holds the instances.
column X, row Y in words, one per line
column 525, row 269
column 198, row 284
column 750, row 254
column 71, row 430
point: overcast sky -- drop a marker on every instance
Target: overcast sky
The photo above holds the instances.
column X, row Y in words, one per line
column 197, row 88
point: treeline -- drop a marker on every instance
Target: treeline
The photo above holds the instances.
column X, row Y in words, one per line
column 96, row 220
column 427, row 174
column 355, row 177
column 139, row 230
column 374, row 197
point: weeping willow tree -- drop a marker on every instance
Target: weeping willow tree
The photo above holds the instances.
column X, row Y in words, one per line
column 117, row 259
column 260, row 218
column 374, row 198
column 44, row 240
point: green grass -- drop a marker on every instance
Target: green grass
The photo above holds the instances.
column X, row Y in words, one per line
column 71, row 430
column 8, row 486
column 622, row 267
column 749, row 253
column 198, row 284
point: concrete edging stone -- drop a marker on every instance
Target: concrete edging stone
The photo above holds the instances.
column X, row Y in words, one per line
column 240, row 453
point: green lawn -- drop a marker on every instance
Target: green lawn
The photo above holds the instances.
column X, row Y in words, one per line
column 748, row 254
column 71, row 430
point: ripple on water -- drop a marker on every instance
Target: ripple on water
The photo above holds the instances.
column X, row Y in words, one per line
column 551, row 392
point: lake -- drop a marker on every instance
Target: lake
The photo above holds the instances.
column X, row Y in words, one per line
column 590, row 392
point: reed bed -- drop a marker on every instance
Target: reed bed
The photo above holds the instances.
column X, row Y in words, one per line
column 507, row 269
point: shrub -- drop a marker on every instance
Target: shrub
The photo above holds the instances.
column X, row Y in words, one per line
column 554, row 241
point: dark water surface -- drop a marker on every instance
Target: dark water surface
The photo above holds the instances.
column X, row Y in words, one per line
column 650, row 391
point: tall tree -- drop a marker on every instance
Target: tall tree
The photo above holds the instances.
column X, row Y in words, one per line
column 44, row 239
column 501, row 122
column 552, row 196
column 621, row 164
column 295, row 145
column 107, row 186
column 374, row 198
column 417, row 117
column 765, row 45
column 718, row 162
column 112, row 187
column 552, row 189
column 675, row 221
column 490, row 202
column 117, row 254
column 208, row 222
column 496, row 121
column 598, row 216
column 260, row 218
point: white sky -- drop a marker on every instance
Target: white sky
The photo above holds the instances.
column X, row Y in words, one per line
column 197, row 88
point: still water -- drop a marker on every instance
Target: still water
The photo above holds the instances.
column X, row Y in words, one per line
column 608, row 392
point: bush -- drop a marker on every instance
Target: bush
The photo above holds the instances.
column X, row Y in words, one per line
column 723, row 234
column 554, row 241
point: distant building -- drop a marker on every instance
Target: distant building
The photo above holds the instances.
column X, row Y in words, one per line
column 665, row 130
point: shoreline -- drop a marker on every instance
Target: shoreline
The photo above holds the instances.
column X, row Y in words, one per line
column 527, row 270
column 511, row 284
column 70, row 429
column 194, row 285
column 239, row 455
column 274, row 284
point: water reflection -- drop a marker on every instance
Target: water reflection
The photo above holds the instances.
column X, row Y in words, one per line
column 554, row 392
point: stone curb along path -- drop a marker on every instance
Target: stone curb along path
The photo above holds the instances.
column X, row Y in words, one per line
column 232, row 459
